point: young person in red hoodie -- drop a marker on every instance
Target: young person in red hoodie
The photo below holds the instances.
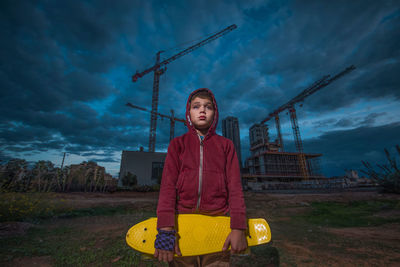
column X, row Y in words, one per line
column 201, row 175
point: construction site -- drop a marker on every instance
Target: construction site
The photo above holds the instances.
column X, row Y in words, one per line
column 269, row 167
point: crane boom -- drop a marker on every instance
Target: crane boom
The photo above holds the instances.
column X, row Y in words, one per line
column 184, row 52
column 159, row 69
column 324, row 81
column 158, row 114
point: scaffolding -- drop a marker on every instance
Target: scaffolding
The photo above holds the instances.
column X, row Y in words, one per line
column 267, row 163
column 284, row 166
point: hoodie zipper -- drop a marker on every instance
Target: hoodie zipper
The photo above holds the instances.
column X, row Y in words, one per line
column 200, row 174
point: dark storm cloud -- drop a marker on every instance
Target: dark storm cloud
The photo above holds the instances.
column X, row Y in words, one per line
column 371, row 118
column 43, row 76
column 369, row 40
column 346, row 149
column 300, row 43
column 66, row 66
column 354, row 121
column 91, row 154
column 106, row 159
column 324, row 123
column 14, row 134
column 344, row 123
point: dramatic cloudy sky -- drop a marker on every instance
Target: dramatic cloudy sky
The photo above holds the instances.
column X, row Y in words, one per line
column 66, row 70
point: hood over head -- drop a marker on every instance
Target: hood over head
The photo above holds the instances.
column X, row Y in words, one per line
column 215, row 120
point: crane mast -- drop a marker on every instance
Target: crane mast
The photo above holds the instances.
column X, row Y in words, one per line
column 298, row 142
column 159, row 68
column 278, row 128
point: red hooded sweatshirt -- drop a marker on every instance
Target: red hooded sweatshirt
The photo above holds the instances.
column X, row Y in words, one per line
column 201, row 176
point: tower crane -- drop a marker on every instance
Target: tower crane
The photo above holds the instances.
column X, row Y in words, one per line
column 159, row 68
column 319, row 84
column 172, row 119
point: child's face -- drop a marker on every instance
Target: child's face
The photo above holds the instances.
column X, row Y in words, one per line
column 201, row 113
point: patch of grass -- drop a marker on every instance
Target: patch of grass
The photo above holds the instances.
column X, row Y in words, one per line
column 98, row 211
column 351, row 214
column 36, row 207
column 27, row 206
column 69, row 246
column 86, row 252
column 35, row 243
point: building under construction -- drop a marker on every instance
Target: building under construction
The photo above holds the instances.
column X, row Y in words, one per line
column 268, row 161
column 268, row 164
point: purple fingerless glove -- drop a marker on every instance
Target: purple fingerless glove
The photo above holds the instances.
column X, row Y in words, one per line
column 165, row 240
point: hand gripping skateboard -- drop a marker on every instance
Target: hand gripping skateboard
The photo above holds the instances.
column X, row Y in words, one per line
column 196, row 234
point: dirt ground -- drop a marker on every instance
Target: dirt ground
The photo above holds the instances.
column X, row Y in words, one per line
column 293, row 245
column 353, row 246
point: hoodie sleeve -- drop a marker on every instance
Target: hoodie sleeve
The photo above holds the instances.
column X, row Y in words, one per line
column 237, row 208
column 167, row 196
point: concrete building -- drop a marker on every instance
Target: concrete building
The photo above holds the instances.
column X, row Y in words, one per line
column 268, row 166
column 284, row 166
column 230, row 129
column 147, row 166
column 258, row 134
column 259, row 140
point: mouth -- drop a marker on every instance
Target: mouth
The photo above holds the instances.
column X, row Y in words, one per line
column 202, row 117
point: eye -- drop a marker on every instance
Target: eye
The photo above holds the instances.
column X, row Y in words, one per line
column 195, row 107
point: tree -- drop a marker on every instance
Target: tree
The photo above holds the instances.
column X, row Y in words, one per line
column 44, row 175
column 129, row 180
column 15, row 175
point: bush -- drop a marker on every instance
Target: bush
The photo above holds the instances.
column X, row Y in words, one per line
column 155, row 187
column 27, row 206
column 388, row 175
column 142, row 188
column 129, row 180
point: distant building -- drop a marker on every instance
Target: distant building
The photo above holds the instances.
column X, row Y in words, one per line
column 258, row 134
column 147, row 166
column 352, row 174
column 230, row 129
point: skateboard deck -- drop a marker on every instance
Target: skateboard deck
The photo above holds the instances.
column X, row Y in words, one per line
column 196, row 234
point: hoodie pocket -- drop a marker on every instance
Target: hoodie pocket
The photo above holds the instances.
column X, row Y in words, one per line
column 215, row 194
column 187, row 187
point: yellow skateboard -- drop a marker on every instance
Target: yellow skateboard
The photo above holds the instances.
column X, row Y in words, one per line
column 197, row 234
